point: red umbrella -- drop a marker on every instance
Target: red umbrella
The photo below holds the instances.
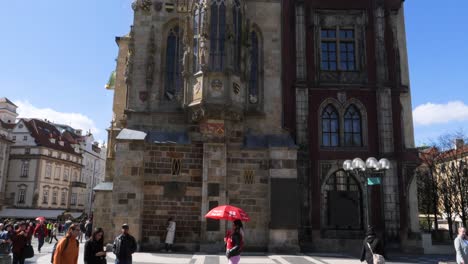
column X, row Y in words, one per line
column 228, row 212
column 40, row 218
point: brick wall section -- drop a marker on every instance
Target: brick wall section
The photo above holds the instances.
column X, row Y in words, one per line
column 102, row 212
column 167, row 195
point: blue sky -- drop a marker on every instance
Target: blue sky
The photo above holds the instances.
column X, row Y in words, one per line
column 57, row 57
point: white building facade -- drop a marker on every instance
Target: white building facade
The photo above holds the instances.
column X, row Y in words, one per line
column 94, row 165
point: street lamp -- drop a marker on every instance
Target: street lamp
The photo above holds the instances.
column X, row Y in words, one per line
column 367, row 168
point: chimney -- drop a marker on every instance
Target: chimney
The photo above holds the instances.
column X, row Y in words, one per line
column 459, row 143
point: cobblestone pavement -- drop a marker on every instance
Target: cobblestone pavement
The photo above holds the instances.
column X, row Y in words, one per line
column 260, row 258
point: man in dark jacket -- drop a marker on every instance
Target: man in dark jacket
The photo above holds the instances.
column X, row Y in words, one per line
column 124, row 246
column 40, row 232
column 374, row 242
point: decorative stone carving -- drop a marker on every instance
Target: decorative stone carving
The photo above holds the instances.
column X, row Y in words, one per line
column 341, row 97
column 157, row 6
column 236, row 88
column 324, row 169
column 143, row 5
column 198, row 114
column 130, row 55
column 253, row 99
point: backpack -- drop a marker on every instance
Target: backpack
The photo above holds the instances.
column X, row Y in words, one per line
column 66, row 245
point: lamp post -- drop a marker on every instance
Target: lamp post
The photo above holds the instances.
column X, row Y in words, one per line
column 367, row 169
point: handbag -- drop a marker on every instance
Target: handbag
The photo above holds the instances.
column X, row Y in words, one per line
column 377, row 259
column 28, row 251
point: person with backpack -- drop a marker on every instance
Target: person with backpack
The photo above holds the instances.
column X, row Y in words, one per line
column 40, row 232
column 235, row 242
column 124, row 246
column 93, row 249
column 67, row 249
column 371, row 245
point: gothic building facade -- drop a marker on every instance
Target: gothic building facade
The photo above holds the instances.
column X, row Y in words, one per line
column 349, row 96
column 256, row 104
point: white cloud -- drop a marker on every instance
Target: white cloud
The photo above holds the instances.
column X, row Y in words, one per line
column 429, row 113
column 75, row 120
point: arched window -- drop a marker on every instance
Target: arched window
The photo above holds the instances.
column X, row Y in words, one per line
column 330, row 127
column 352, row 127
column 217, row 35
column 173, row 80
column 237, row 25
column 254, row 69
column 342, row 200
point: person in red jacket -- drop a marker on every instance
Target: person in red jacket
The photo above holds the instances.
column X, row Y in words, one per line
column 40, row 232
column 19, row 240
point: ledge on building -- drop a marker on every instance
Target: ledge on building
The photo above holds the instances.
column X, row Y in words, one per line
column 129, row 134
column 104, row 186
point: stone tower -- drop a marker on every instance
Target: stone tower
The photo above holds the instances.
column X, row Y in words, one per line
column 198, row 123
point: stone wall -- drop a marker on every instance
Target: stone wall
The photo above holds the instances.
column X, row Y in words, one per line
column 172, row 192
column 102, row 214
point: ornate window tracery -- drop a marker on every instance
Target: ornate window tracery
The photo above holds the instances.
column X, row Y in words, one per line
column 217, row 35
column 237, row 35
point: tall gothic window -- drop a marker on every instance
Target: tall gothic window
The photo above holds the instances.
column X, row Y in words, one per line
column 254, row 69
column 173, row 80
column 196, row 38
column 217, row 35
column 237, row 23
column 330, row 127
column 352, row 127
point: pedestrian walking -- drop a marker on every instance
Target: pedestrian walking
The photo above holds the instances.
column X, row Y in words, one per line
column 124, row 246
column 40, row 232
column 171, row 228
column 19, row 241
column 461, row 246
column 67, row 249
column 53, row 234
column 82, row 231
column 371, row 245
column 89, row 229
column 93, row 249
column 235, row 242
column 30, row 231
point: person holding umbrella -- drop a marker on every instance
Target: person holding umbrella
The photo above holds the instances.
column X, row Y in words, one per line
column 234, row 239
column 235, row 243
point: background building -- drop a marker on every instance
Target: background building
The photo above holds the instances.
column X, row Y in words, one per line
column 44, row 171
column 7, row 119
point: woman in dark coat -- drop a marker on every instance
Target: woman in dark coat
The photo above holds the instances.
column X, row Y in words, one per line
column 93, row 251
column 374, row 242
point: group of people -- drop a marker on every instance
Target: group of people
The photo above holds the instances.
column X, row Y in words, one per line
column 67, row 249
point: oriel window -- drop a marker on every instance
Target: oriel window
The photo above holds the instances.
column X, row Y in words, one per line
column 338, row 52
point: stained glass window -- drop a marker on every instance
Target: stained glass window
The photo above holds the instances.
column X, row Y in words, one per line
column 253, row 76
column 217, row 34
column 237, row 24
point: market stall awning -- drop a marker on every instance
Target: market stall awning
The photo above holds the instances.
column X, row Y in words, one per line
column 29, row 213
